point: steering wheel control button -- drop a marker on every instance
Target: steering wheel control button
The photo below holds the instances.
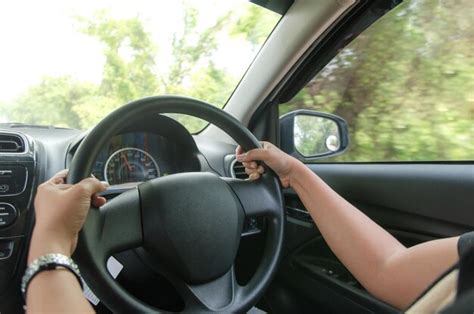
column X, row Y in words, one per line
column 252, row 226
column 8, row 214
column 12, row 180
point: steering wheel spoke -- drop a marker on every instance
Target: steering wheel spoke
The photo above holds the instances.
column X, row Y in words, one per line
column 217, row 295
column 116, row 226
column 258, row 197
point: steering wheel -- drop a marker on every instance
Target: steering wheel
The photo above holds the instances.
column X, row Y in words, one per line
column 189, row 223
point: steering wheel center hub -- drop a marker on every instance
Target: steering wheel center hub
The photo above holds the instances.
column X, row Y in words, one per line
column 192, row 223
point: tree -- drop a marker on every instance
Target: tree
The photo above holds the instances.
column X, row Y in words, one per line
column 254, row 26
column 52, row 102
column 404, row 85
column 129, row 71
column 132, row 70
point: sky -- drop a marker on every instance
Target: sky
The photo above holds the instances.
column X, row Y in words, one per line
column 41, row 38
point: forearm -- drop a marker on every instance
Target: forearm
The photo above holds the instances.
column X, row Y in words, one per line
column 56, row 290
column 358, row 242
column 379, row 261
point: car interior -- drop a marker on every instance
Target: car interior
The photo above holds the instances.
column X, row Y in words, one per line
column 195, row 234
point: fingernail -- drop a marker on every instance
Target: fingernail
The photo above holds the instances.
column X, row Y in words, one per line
column 254, row 176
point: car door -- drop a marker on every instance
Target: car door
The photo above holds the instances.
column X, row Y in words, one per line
column 404, row 87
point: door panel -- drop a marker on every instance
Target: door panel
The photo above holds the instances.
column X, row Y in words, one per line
column 404, row 195
column 414, row 202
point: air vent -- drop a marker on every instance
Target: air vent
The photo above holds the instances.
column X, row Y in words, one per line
column 11, row 143
column 238, row 170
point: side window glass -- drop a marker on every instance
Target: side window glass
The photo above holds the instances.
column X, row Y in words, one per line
column 405, row 86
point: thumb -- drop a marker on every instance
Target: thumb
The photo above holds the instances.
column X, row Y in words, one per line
column 91, row 186
column 239, row 150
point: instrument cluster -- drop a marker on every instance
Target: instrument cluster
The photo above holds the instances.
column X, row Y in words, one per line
column 134, row 158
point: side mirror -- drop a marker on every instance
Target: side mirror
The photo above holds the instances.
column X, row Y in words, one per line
column 309, row 135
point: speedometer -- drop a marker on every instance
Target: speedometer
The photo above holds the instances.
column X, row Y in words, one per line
column 130, row 165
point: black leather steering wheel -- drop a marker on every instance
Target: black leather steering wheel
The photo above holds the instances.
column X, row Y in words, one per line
column 190, row 223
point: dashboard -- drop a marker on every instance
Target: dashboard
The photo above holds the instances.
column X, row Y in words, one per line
column 144, row 149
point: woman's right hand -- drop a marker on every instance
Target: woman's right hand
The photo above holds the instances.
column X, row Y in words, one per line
column 281, row 163
column 61, row 210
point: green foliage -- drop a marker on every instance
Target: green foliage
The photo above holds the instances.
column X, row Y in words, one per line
column 52, row 102
column 254, row 26
column 130, row 56
column 315, row 135
column 405, row 86
column 131, row 71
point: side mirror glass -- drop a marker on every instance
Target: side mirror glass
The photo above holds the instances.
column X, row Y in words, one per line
column 315, row 135
column 309, row 135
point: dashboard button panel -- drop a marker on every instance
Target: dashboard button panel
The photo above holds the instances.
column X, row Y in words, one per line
column 12, row 180
column 8, row 214
column 6, row 249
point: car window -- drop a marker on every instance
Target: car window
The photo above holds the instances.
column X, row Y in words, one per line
column 69, row 63
column 405, row 86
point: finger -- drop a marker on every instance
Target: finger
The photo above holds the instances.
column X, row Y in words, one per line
column 254, row 154
column 250, row 165
column 63, row 186
column 59, row 177
column 254, row 176
column 239, row 150
column 267, row 145
column 260, row 169
column 98, row 201
column 250, row 171
column 91, row 186
column 57, row 180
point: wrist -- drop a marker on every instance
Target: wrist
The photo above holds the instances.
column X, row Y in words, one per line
column 296, row 169
column 45, row 242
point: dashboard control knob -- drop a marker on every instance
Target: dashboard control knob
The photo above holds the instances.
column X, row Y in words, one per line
column 8, row 214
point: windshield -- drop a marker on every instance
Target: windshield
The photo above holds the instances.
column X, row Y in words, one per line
column 68, row 64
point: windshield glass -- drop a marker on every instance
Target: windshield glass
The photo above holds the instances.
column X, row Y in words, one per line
column 68, row 64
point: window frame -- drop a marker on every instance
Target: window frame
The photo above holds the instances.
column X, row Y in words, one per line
column 319, row 55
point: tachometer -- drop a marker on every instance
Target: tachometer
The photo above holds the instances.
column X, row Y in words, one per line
column 130, row 165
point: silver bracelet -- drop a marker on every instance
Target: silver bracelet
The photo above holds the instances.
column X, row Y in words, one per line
column 48, row 262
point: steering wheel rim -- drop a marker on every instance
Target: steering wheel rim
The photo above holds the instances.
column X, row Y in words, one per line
column 254, row 198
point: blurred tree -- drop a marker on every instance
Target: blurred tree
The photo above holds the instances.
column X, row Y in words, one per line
column 52, row 102
column 130, row 72
column 405, row 86
column 129, row 69
column 192, row 61
column 313, row 135
column 253, row 26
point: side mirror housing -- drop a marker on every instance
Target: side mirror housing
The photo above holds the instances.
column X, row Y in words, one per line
column 310, row 135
